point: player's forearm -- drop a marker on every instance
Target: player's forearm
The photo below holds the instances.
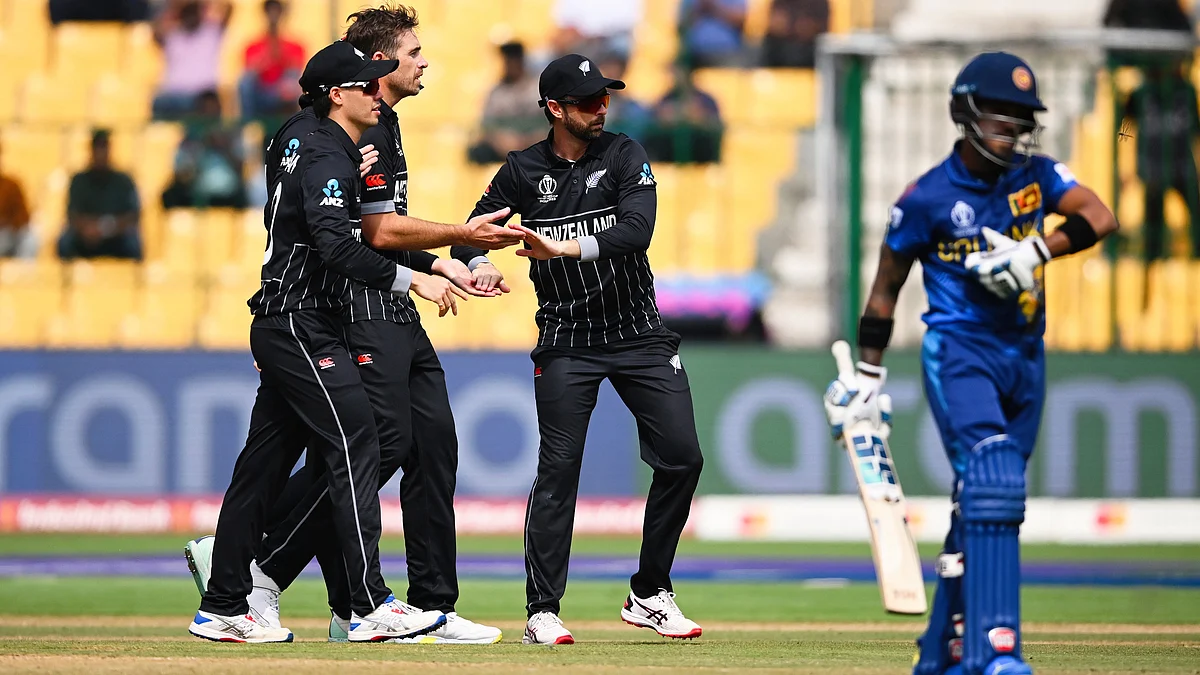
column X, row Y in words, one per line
column 1088, row 222
column 875, row 325
column 393, row 231
column 469, row 255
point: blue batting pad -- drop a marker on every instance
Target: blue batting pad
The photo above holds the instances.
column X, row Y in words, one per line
column 993, row 507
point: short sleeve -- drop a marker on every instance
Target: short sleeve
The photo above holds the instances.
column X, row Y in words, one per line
column 1055, row 179
column 378, row 187
column 908, row 229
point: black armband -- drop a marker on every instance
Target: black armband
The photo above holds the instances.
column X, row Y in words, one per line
column 1079, row 232
column 874, row 332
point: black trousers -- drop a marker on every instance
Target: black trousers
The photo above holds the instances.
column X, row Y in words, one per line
column 309, row 392
column 406, row 386
column 653, row 385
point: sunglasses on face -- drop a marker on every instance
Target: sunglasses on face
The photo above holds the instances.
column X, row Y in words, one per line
column 590, row 105
column 369, row 88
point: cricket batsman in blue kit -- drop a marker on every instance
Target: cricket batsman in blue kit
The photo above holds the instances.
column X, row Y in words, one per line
column 975, row 222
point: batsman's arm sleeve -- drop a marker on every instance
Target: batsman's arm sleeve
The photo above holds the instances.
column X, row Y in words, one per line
column 329, row 223
column 637, row 203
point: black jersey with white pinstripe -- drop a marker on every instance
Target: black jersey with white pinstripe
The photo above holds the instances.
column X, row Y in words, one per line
column 606, row 200
column 385, row 190
column 310, row 218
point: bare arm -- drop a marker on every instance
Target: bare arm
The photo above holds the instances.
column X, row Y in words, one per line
column 393, row 231
column 1081, row 201
column 889, row 278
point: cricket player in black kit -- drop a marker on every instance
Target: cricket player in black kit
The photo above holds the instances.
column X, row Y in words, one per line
column 587, row 203
column 399, row 368
column 400, row 371
column 310, row 390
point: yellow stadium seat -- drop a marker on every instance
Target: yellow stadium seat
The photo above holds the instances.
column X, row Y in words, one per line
column 142, row 63
column 250, row 241
column 118, row 102
column 30, row 154
column 783, row 97
column 45, row 100
column 309, row 23
column 531, row 22
column 179, row 240
column 30, row 293
column 215, row 238
column 85, row 50
column 165, row 312
column 156, row 157
column 49, row 213
column 772, row 150
column 225, row 320
column 730, row 89
column 512, row 324
column 90, row 316
column 102, row 273
column 29, row 25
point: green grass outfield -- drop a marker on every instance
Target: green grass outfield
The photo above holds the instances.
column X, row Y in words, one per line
column 118, row 625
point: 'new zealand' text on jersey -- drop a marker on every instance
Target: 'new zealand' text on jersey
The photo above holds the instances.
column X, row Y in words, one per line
column 311, row 212
column 385, row 190
column 938, row 221
column 607, row 201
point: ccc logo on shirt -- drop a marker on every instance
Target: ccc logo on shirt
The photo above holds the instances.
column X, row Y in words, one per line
column 375, row 181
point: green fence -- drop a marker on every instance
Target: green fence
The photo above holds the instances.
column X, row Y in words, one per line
column 1114, row 426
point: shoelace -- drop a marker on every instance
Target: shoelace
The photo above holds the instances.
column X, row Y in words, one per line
column 669, row 607
column 542, row 619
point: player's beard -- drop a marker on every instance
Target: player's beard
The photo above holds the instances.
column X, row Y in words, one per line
column 584, row 131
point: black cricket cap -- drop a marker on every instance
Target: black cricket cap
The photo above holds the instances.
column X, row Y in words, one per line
column 573, row 76
column 338, row 65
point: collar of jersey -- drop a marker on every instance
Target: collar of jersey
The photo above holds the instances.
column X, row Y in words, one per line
column 386, row 111
column 594, row 149
column 336, row 130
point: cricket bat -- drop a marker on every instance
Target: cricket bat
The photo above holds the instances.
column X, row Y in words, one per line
column 897, row 563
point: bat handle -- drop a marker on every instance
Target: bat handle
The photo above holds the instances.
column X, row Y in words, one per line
column 843, row 358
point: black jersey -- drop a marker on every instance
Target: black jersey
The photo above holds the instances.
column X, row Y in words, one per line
column 385, row 190
column 606, row 200
column 311, row 212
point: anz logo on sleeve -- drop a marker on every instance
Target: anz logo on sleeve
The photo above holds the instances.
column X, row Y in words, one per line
column 333, row 194
column 291, row 156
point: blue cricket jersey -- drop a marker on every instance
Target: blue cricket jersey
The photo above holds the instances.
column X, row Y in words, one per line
column 938, row 221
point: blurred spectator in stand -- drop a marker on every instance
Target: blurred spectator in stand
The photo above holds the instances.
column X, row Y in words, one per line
column 1147, row 14
column 590, row 27
column 687, row 124
column 126, row 11
column 208, row 164
column 273, row 65
column 1167, row 125
column 626, row 115
column 711, row 31
column 792, row 30
column 190, row 33
column 102, row 210
column 16, row 238
column 512, row 119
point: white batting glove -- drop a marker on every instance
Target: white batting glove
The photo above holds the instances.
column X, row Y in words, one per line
column 854, row 398
column 1008, row 268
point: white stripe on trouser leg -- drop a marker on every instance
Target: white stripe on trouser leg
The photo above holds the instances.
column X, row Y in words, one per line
column 296, row 529
column 528, row 558
column 362, row 546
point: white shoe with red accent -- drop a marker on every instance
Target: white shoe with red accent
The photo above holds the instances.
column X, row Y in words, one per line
column 545, row 628
column 235, row 629
column 660, row 614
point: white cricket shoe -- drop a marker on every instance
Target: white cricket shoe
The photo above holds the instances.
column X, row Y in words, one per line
column 545, row 628
column 199, row 560
column 457, row 631
column 263, row 598
column 661, row 614
column 390, row 621
column 339, row 628
column 235, row 629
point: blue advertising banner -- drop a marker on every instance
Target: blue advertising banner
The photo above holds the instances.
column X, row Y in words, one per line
column 156, row 423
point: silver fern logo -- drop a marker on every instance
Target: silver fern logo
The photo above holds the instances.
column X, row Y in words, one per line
column 594, row 179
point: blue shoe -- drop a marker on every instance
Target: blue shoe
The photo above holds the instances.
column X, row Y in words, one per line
column 1007, row 665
